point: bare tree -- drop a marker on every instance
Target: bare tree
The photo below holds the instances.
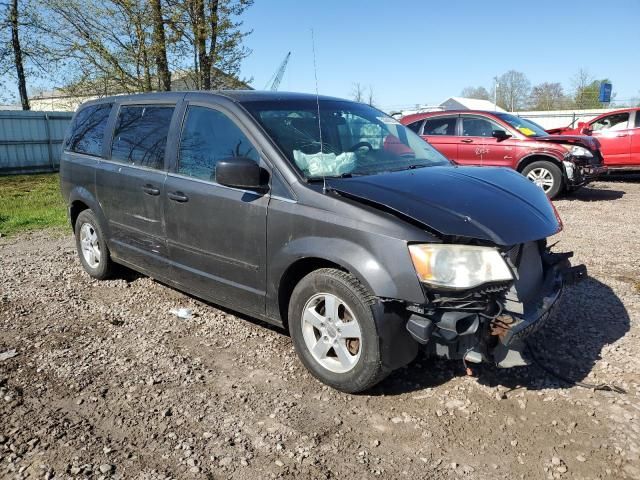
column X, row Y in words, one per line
column 370, row 97
column 587, row 90
column 548, row 96
column 210, row 29
column 513, row 90
column 357, row 92
column 480, row 93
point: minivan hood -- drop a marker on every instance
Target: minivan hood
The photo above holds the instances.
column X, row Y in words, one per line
column 494, row 204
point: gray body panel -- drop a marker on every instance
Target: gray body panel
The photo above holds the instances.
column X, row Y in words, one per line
column 228, row 245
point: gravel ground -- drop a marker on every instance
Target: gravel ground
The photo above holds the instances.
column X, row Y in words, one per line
column 107, row 383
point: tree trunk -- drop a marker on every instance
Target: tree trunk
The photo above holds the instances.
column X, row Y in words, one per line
column 201, row 44
column 160, row 47
column 17, row 54
column 213, row 25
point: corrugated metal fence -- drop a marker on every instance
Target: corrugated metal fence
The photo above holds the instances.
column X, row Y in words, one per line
column 31, row 141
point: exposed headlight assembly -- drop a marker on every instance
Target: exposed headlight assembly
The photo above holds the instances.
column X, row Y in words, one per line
column 458, row 266
column 577, row 151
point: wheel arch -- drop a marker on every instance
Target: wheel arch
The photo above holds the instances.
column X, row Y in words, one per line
column 81, row 199
column 371, row 266
column 292, row 276
column 539, row 157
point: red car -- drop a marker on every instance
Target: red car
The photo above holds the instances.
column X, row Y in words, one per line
column 470, row 137
column 618, row 133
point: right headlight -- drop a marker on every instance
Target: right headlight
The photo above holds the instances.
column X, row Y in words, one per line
column 578, row 151
column 458, row 266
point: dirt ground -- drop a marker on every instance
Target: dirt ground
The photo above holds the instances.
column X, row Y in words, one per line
column 107, row 383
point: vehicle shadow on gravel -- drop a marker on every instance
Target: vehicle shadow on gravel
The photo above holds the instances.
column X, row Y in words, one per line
column 589, row 317
column 593, row 194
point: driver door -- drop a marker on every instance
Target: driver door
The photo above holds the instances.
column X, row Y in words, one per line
column 478, row 146
column 614, row 134
column 216, row 235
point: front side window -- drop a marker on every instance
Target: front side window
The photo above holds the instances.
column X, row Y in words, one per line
column 87, row 130
column 637, row 118
column 209, row 136
column 141, row 133
column 617, row 121
column 415, row 126
column 440, row 126
column 478, row 127
column 351, row 139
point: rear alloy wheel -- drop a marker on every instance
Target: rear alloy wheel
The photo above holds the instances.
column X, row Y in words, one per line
column 546, row 175
column 91, row 246
column 334, row 332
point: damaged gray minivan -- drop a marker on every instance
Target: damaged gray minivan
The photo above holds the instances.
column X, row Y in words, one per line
column 322, row 215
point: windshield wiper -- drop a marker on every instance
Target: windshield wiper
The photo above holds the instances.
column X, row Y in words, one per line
column 409, row 167
column 321, row 178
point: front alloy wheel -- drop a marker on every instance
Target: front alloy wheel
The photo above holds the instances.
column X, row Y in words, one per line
column 546, row 175
column 331, row 333
column 332, row 325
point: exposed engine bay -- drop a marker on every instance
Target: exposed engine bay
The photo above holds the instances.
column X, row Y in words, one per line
column 489, row 323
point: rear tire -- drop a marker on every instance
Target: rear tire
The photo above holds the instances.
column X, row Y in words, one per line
column 92, row 247
column 334, row 332
column 546, row 175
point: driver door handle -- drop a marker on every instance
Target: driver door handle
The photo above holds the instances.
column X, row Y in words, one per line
column 622, row 135
column 466, row 140
column 178, row 197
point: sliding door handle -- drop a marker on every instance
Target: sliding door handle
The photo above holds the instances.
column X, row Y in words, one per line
column 178, row 197
column 151, row 190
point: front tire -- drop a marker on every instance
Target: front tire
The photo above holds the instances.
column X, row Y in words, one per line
column 92, row 247
column 334, row 332
column 546, row 175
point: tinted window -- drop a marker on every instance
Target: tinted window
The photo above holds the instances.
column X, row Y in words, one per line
column 87, row 129
column 440, row 126
column 415, row 126
column 140, row 136
column 637, row 118
column 209, row 136
column 478, row 127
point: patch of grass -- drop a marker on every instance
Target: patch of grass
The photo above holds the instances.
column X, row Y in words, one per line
column 30, row 202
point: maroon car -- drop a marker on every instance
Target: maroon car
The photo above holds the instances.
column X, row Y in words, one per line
column 470, row 137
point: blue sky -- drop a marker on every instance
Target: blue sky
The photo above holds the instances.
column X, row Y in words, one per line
column 425, row 51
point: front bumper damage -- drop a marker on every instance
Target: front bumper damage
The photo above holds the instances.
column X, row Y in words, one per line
column 579, row 171
column 490, row 324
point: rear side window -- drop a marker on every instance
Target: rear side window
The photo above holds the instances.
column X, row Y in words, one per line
column 637, row 118
column 87, row 130
column 440, row 126
column 140, row 136
column 209, row 136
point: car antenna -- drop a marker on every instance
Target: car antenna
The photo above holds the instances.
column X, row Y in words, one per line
column 315, row 74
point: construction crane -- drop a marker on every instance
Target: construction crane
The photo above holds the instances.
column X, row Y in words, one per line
column 277, row 77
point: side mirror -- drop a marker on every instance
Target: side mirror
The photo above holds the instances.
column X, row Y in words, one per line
column 500, row 135
column 241, row 172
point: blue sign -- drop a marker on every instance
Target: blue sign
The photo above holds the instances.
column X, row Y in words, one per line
column 605, row 92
